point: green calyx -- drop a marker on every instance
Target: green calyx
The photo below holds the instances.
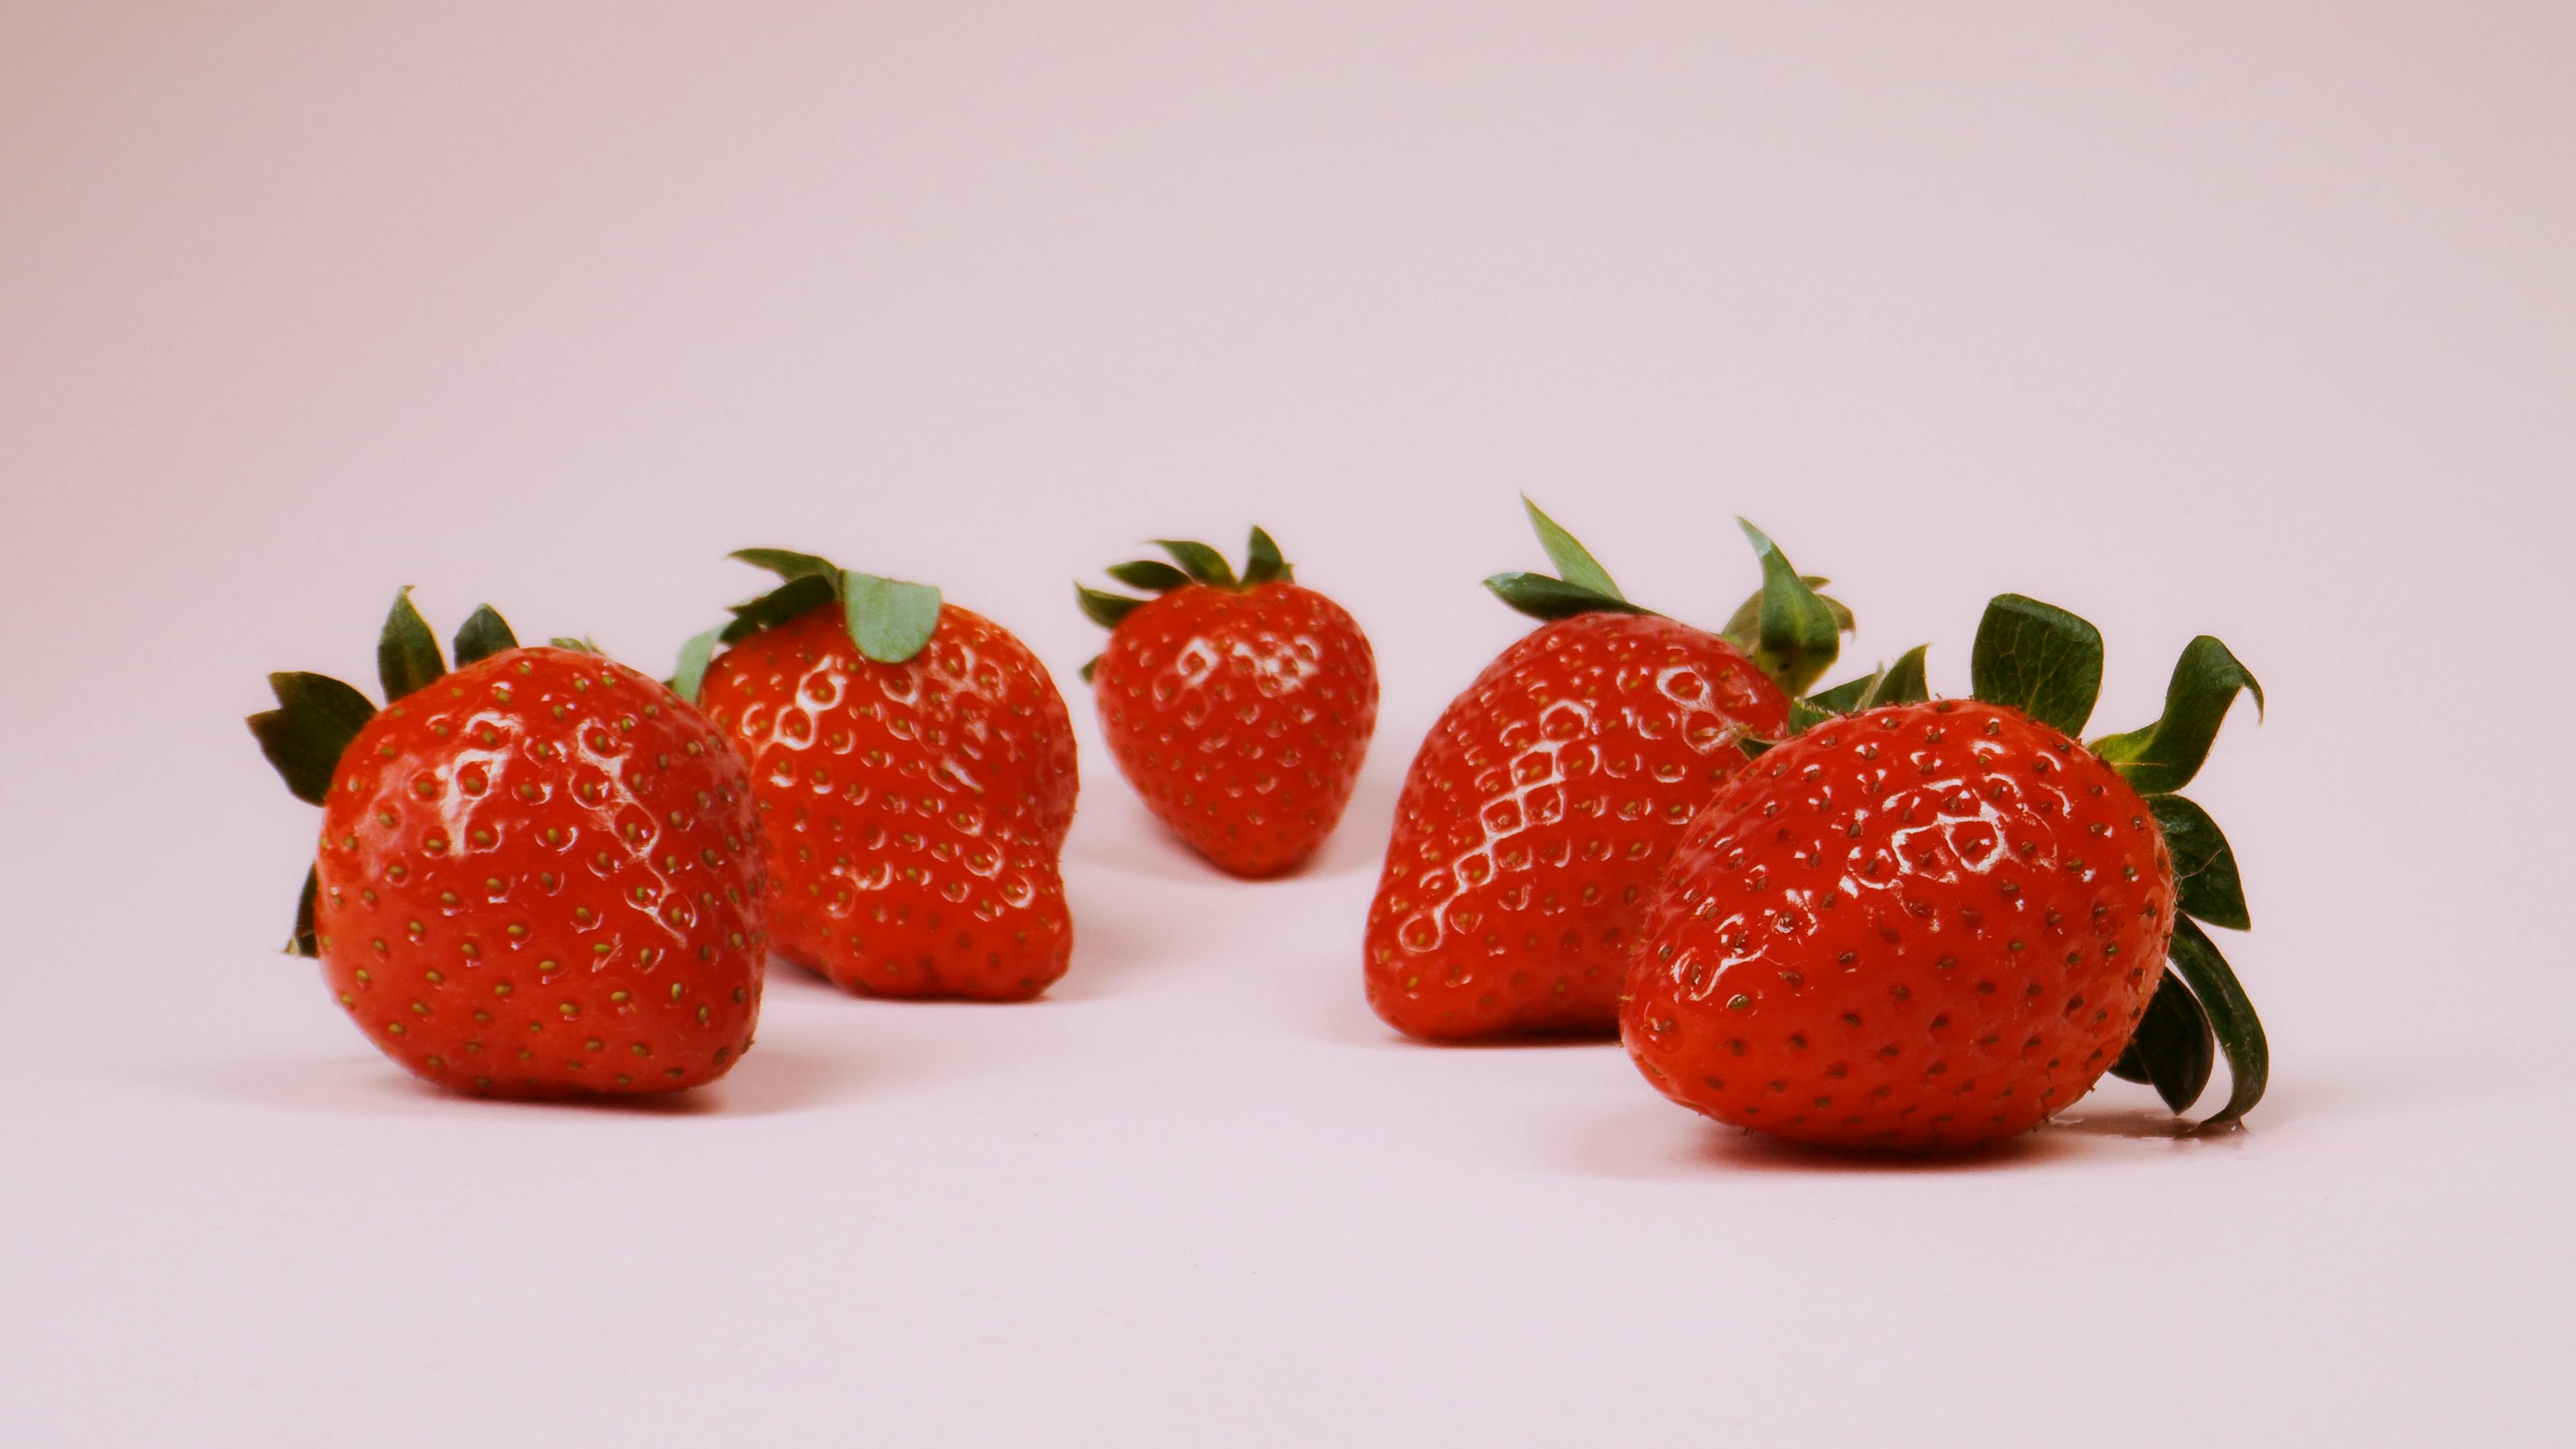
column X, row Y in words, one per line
column 317, row 716
column 483, row 635
column 2162, row 757
column 2047, row 663
column 1898, row 683
column 1794, row 634
column 1789, row 631
column 1192, row 563
column 889, row 620
column 406, row 652
column 1582, row 585
column 315, row 719
column 1902, row 682
column 2172, row 1049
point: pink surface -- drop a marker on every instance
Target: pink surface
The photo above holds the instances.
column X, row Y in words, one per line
column 2248, row 320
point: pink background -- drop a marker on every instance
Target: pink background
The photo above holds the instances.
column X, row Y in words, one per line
column 2254, row 320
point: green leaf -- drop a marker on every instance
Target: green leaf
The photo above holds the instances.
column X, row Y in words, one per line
column 577, row 646
column 1903, row 682
column 1574, row 563
column 689, row 675
column 2231, row 1017
column 1796, row 637
column 2165, row 755
column 890, row 620
column 2172, row 1050
column 1744, row 626
column 2039, row 659
column 1199, row 561
column 1898, row 683
column 797, row 596
column 790, row 566
column 406, row 653
column 1105, row 610
column 2204, row 866
column 1149, row 573
column 305, row 942
column 1804, row 715
column 484, row 634
column 1542, row 597
column 1846, row 697
column 1262, row 563
column 306, row 734
column 1089, row 668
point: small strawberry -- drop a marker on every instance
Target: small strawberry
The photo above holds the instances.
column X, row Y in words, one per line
column 1240, row 709
column 914, row 769
column 1932, row 924
column 1545, row 801
column 540, row 875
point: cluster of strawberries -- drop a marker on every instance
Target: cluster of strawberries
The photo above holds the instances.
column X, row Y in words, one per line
column 1854, row 915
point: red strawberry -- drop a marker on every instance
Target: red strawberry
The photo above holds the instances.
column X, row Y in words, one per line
column 914, row 768
column 1930, row 925
column 1544, row 803
column 540, row 875
column 1240, row 710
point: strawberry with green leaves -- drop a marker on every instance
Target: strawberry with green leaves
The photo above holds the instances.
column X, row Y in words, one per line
column 1929, row 923
column 1546, row 800
column 914, row 769
column 1240, row 708
column 540, row 873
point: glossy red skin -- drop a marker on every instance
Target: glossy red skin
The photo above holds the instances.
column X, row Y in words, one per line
column 1538, row 816
column 914, row 811
column 541, row 877
column 1926, row 926
column 1242, row 717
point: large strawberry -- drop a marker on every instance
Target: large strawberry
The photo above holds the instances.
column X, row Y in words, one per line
column 1548, row 796
column 1932, row 924
column 540, row 875
column 914, row 769
column 1239, row 708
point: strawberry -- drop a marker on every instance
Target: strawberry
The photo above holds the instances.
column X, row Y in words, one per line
column 540, row 875
column 1933, row 924
column 1545, row 801
column 1240, row 709
column 914, row 769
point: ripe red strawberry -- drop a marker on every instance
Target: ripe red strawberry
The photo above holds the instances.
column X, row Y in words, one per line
column 1240, row 710
column 1546, row 800
column 540, row 875
column 1930, row 925
column 914, row 769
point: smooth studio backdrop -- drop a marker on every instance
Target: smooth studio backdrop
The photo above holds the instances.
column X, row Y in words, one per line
column 2247, row 319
